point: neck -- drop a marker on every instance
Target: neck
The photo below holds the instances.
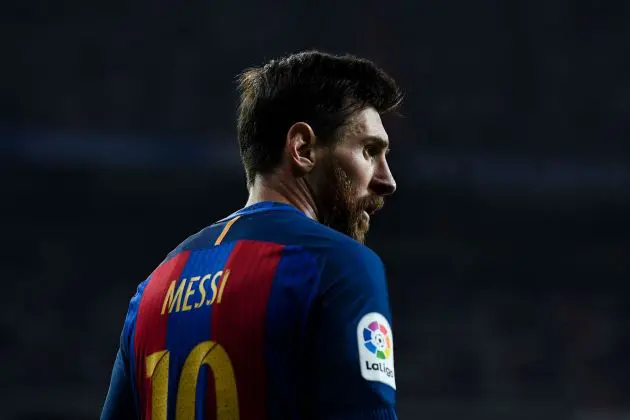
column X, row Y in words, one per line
column 273, row 187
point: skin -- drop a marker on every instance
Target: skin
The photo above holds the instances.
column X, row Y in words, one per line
column 340, row 186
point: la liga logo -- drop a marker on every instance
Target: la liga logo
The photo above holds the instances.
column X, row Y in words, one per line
column 377, row 340
column 376, row 349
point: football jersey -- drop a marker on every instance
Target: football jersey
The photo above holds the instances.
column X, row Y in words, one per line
column 266, row 314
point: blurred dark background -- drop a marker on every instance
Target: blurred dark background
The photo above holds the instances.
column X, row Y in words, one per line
column 507, row 245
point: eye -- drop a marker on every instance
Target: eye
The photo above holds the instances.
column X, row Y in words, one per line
column 371, row 150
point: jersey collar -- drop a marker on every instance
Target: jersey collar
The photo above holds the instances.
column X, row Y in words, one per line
column 262, row 207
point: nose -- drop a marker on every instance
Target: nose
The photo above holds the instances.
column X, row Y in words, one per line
column 383, row 182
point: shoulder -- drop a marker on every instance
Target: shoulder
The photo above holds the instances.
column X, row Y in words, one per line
column 333, row 250
column 352, row 255
column 336, row 248
column 347, row 265
column 202, row 239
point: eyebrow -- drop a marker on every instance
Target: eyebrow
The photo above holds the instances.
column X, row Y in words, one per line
column 379, row 141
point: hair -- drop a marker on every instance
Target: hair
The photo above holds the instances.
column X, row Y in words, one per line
column 320, row 89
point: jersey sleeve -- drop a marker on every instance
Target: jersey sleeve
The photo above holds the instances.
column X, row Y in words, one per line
column 120, row 402
column 351, row 342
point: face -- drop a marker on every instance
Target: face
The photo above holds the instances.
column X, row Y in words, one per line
column 354, row 176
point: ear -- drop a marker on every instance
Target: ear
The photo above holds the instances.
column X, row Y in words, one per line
column 300, row 147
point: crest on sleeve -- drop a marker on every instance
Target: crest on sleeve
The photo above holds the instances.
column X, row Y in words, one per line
column 376, row 349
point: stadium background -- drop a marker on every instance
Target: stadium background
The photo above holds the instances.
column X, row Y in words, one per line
column 507, row 244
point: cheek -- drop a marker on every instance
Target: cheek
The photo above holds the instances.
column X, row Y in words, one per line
column 360, row 172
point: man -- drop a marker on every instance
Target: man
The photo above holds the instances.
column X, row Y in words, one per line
column 277, row 311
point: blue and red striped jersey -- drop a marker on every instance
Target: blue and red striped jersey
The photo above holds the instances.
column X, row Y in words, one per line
column 266, row 314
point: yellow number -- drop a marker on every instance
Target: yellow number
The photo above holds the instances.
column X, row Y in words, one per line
column 157, row 369
column 216, row 358
column 206, row 353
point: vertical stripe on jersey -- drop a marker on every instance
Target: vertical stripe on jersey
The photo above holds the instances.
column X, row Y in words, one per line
column 239, row 321
column 190, row 320
column 150, row 335
column 292, row 292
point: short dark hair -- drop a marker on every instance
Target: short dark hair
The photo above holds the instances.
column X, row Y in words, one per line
column 321, row 89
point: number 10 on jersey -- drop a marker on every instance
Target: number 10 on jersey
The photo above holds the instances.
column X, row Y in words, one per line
column 206, row 353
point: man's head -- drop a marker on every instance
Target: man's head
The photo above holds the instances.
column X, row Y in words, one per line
column 315, row 119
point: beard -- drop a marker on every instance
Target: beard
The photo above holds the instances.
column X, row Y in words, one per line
column 341, row 208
